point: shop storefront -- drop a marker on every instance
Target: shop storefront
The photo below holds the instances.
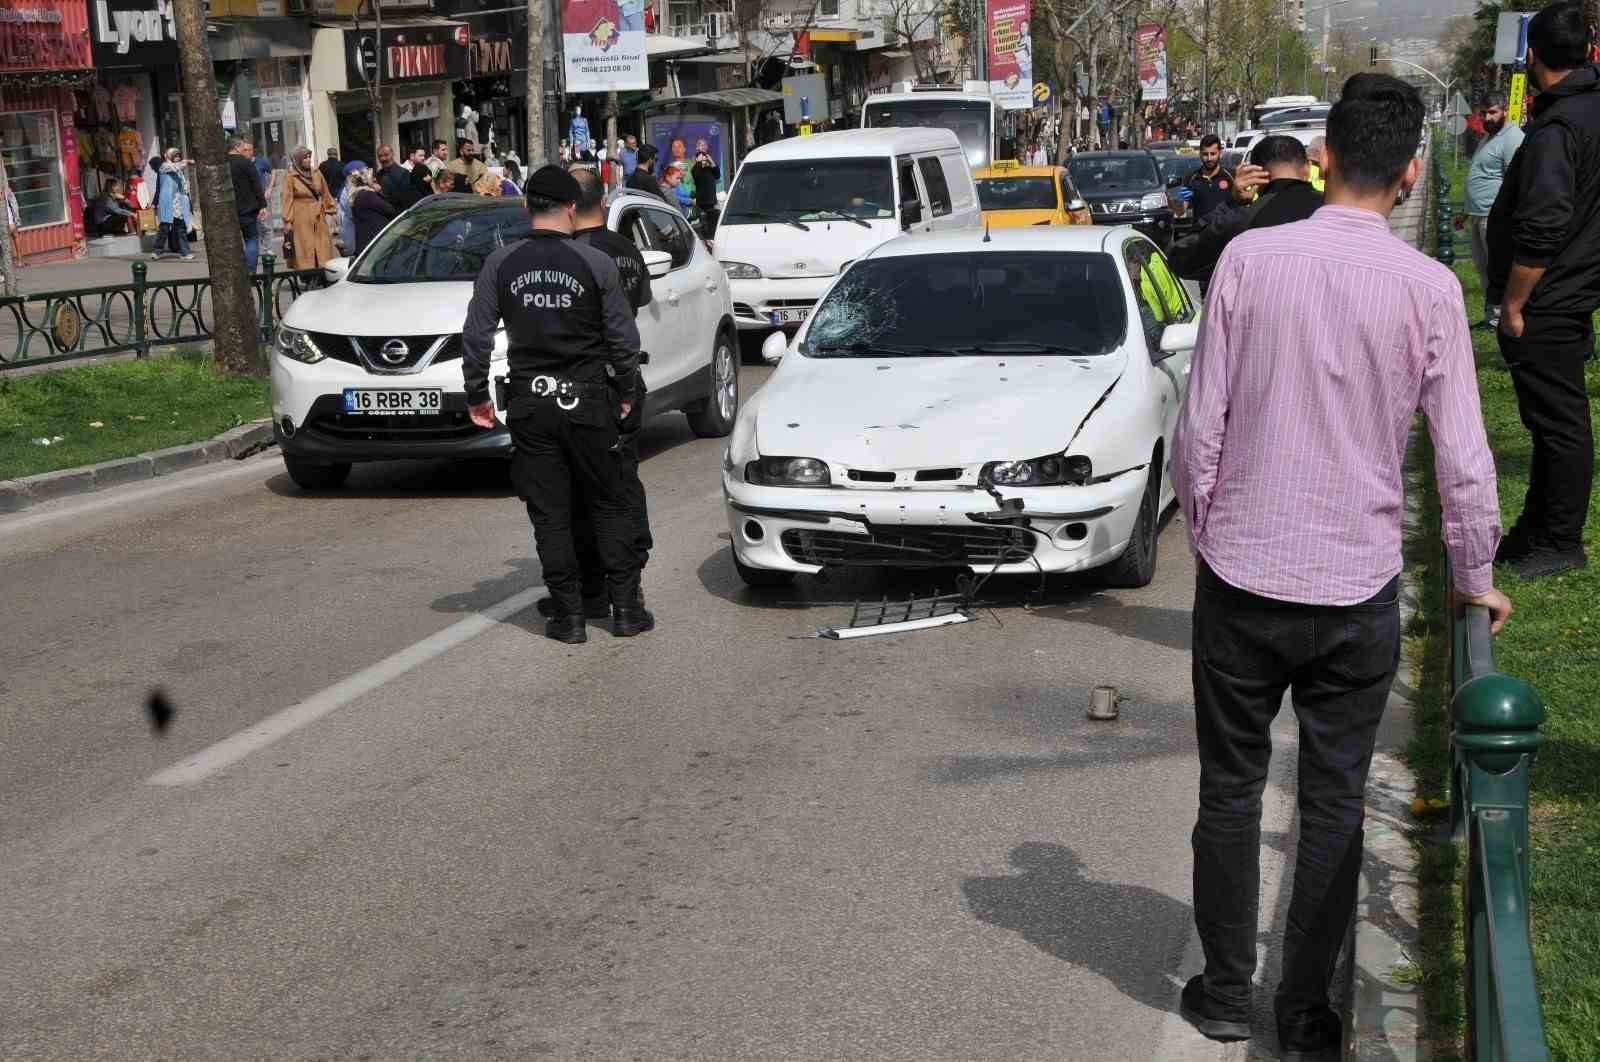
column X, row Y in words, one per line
column 131, row 112
column 261, row 67
column 44, row 55
column 496, row 86
column 419, row 58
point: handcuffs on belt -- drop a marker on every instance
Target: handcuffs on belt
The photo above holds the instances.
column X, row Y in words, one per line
column 561, row 390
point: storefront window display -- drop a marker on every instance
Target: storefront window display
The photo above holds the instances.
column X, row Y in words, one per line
column 30, row 143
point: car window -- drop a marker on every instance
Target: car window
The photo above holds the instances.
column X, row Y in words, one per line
column 686, row 235
column 1105, row 174
column 1161, row 298
column 1179, row 308
column 1017, row 193
column 810, row 190
column 938, row 190
column 972, row 304
column 665, row 236
column 631, row 225
column 908, row 179
column 440, row 240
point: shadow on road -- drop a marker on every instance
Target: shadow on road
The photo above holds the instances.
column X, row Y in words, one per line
column 522, row 573
column 400, row 479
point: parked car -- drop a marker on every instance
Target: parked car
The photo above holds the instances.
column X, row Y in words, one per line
column 801, row 210
column 1125, row 188
column 1000, row 401
column 1175, row 169
column 1013, row 195
column 369, row 369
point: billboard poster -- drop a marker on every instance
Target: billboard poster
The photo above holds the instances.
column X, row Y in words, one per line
column 1011, row 54
column 1150, row 50
column 603, row 45
column 678, row 138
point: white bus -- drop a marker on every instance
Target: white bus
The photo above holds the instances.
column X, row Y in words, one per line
column 971, row 116
column 1281, row 103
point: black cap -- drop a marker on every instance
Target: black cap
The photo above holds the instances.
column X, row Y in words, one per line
column 552, row 183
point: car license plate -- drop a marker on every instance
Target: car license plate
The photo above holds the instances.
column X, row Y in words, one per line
column 785, row 317
column 393, row 400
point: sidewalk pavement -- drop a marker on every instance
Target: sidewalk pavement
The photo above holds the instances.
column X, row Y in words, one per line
column 100, row 272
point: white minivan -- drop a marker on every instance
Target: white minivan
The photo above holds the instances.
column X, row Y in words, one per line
column 801, row 210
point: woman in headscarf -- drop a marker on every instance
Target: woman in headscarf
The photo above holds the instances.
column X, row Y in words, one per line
column 345, row 193
column 306, row 206
column 172, row 207
column 370, row 209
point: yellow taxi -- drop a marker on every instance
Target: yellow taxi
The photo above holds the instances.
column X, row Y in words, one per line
column 1013, row 195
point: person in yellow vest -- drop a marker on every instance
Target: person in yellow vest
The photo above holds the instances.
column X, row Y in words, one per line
column 1314, row 155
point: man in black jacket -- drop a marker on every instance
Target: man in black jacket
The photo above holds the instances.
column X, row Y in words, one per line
column 332, row 171
column 569, row 334
column 1544, row 254
column 249, row 204
column 393, row 180
column 642, row 179
column 1287, row 196
column 1209, row 188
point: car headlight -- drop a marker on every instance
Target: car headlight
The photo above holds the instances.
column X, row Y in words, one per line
column 293, row 343
column 787, row 472
column 1052, row 471
column 1153, row 201
column 741, row 271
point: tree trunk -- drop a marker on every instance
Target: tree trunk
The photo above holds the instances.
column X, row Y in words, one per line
column 237, row 339
column 538, row 154
column 8, row 264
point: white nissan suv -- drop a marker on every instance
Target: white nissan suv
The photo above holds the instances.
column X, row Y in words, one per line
column 369, row 368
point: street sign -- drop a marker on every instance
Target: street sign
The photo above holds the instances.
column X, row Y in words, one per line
column 1510, row 43
column 367, row 56
column 1041, row 94
column 1459, row 106
column 1518, row 93
column 1455, row 125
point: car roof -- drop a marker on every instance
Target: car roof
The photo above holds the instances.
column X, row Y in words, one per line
column 1076, row 238
column 994, row 173
column 1112, row 155
column 856, row 143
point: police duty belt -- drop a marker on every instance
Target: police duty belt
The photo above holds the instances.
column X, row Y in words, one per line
column 566, row 393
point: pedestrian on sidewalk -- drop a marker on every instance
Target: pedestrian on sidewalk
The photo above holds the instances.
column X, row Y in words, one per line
column 370, row 210
column 172, row 207
column 640, row 178
column 1484, row 177
column 1544, row 256
column 1294, row 508
column 307, row 205
column 249, row 204
column 332, row 170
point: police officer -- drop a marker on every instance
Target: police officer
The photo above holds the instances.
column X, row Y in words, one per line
column 590, row 228
column 570, row 332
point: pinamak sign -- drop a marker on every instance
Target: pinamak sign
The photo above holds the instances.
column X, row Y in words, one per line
column 410, row 53
column 134, row 32
column 43, row 35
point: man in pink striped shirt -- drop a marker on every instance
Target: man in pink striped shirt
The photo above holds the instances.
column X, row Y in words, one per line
column 1319, row 341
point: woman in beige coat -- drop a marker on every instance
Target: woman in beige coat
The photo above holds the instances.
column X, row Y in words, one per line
column 306, row 208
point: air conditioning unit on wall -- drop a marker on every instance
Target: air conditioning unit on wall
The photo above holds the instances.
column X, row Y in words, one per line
column 719, row 24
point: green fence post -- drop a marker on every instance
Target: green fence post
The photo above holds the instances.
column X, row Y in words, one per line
column 268, row 302
column 1494, row 722
column 140, row 347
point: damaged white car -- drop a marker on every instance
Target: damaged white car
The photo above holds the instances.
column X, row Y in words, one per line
column 999, row 402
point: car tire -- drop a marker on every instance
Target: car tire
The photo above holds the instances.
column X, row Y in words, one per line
column 309, row 475
column 714, row 419
column 1137, row 565
column 759, row 578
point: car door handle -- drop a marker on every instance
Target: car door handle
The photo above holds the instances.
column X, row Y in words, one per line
column 672, row 298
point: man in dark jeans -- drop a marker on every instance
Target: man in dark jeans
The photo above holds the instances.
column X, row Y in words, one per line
column 1294, row 507
column 249, row 203
column 1544, row 255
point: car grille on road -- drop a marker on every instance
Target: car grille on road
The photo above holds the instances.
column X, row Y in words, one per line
column 340, row 348
column 329, row 420
column 909, row 547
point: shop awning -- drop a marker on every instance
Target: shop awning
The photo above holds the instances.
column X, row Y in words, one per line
column 660, row 47
column 258, row 38
column 835, row 36
column 725, row 58
column 734, row 98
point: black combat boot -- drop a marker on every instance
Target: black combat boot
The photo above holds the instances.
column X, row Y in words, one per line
column 593, row 607
column 567, row 628
column 629, row 620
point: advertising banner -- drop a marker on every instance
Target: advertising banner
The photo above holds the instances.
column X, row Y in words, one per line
column 1150, row 50
column 1011, row 54
column 44, row 35
column 603, row 44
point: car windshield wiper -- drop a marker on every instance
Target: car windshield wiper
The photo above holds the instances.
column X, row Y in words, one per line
column 1021, row 347
column 848, row 217
column 864, row 349
column 761, row 215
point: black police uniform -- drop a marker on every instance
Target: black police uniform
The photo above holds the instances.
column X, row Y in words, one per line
column 573, row 353
column 624, row 253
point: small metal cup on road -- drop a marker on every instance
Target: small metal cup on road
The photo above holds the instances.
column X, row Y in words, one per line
column 1103, row 702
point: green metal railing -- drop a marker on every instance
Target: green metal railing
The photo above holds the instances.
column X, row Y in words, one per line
column 53, row 326
column 1494, row 736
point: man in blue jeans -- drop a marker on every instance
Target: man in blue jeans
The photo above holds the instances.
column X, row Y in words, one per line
column 249, row 204
column 1288, row 467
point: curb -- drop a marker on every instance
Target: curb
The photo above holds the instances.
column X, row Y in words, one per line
column 19, row 494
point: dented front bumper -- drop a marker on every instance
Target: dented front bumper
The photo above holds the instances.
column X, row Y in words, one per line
column 1057, row 529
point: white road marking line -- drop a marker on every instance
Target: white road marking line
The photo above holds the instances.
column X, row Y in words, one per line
column 201, row 765
column 126, row 494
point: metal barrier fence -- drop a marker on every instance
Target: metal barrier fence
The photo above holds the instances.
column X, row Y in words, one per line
column 51, row 326
column 1494, row 736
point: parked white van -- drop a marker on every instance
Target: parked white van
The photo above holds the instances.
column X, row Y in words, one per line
column 801, row 210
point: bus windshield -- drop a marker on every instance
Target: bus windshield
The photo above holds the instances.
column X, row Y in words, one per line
column 972, row 121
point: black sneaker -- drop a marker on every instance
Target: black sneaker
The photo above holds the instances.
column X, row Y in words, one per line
column 1216, row 1021
column 569, row 629
column 1319, row 1040
column 627, row 622
column 1541, row 562
column 593, row 607
column 1514, row 546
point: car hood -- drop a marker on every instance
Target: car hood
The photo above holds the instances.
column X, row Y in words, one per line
column 351, row 309
column 783, row 251
column 900, row 413
column 1101, row 197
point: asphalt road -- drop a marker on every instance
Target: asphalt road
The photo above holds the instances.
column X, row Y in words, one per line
column 429, row 833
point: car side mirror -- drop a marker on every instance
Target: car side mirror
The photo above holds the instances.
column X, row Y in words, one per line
column 335, row 269
column 657, row 263
column 1173, row 182
column 910, row 213
column 774, row 348
column 1076, row 205
column 1179, row 337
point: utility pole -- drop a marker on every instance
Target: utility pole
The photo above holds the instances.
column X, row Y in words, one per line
column 1205, row 70
column 375, row 85
column 536, row 146
column 237, row 337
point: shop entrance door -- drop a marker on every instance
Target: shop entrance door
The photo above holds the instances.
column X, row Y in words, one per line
column 355, row 137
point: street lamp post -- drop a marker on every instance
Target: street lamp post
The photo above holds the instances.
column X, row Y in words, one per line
column 1455, row 138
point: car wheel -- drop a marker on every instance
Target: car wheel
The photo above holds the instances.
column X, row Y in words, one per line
column 309, row 475
column 1137, row 565
column 715, row 418
column 759, row 578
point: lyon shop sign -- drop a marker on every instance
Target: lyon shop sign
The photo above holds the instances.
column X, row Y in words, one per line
column 410, row 53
